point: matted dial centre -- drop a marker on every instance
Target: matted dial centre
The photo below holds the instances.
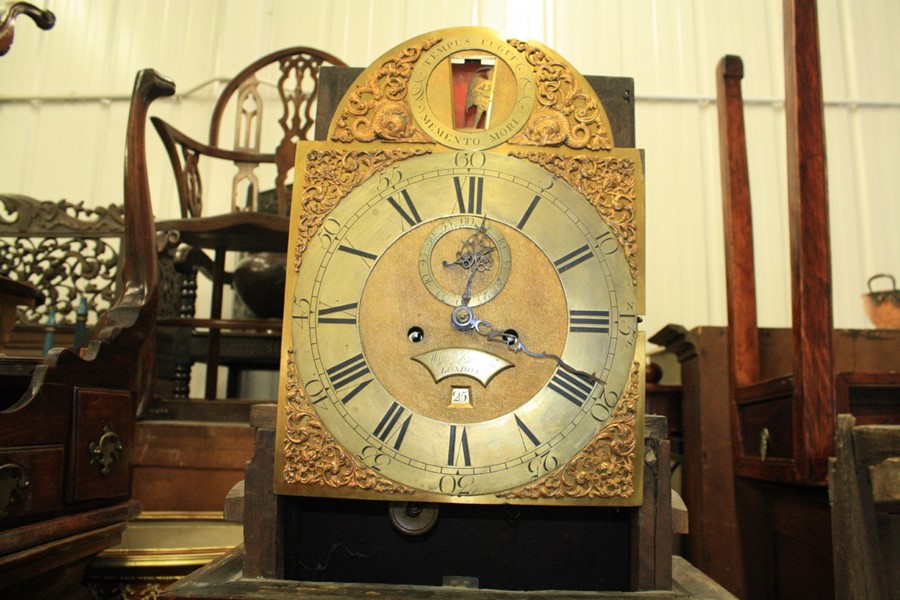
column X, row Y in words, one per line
column 396, row 299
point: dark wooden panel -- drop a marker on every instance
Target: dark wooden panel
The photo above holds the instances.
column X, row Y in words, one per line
column 524, row 547
column 19, row 425
column 40, row 489
column 102, row 444
column 870, row 397
column 172, row 460
column 765, row 416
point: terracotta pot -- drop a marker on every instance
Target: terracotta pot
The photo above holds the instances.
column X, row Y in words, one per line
column 259, row 281
column 883, row 308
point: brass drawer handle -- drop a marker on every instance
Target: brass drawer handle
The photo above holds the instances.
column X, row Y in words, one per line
column 764, row 437
column 13, row 486
column 106, row 451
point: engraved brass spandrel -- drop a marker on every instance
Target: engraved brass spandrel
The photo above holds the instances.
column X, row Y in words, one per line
column 568, row 114
column 377, row 109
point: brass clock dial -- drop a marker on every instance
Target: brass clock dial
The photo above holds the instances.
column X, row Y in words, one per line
column 461, row 325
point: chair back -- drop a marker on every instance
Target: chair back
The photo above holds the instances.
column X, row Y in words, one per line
column 255, row 125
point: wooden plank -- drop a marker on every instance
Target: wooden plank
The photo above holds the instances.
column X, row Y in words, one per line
column 172, row 458
column 858, row 568
column 810, row 242
column 651, row 530
column 223, row 579
column 713, row 542
column 740, row 276
column 263, row 514
column 14, row 540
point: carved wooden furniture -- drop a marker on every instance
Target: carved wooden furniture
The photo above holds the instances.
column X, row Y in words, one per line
column 70, row 254
column 796, row 448
column 864, row 487
column 783, row 426
column 733, row 524
column 258, row 219
column 42, row 18
column 67, row 422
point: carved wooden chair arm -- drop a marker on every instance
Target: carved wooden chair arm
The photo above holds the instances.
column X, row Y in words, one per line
column 42, row 18
column 189, row 259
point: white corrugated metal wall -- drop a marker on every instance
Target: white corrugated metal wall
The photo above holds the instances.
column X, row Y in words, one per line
column 63, row 104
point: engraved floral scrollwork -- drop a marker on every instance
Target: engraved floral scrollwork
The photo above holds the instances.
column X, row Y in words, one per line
column 565, row 115
column 329, row 176
column 609, row 182
column 605, row 467
column 377, row 109
column 313, row 457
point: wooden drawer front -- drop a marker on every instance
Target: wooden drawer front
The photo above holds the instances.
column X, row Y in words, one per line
column 102, row 444
column 766, row 423
column 30, row 481
column 873, row 398
column 44, row 421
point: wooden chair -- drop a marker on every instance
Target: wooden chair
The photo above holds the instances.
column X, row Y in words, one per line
column 783, row 425
column 67, row 421
column 258, row 220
